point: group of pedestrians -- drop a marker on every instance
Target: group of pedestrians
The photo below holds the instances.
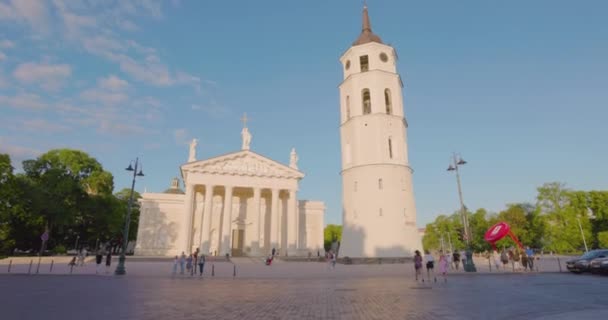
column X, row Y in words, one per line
column 520, row 260
column 188, row 264
column 419, row 261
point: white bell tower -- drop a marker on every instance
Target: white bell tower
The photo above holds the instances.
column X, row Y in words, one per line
column 379, row 212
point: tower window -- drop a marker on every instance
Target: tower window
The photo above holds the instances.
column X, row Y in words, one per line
column 364, row 61
column 367, row 101
column 347, row 107
column 380, row 183
column 387, row 101
column 390, row 148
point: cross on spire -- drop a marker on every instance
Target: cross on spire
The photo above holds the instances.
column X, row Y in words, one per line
column 245, row 119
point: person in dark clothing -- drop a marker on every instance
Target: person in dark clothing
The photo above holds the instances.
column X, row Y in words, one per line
column 108, row 261
column 456, row 259
column 273, row 251
column 98, row 260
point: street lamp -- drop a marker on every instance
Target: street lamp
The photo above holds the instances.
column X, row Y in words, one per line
column 120, row 269
column 469, row 265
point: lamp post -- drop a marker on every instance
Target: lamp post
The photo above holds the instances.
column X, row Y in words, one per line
column 120, row 269
column 580, row 227
column 469, row 265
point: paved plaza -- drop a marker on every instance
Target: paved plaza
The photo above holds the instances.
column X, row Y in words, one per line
column 298, row 290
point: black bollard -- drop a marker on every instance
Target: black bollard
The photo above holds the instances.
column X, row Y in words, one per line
column 51, row 268
column 559, row 264
column 213, row 270
column 29, row 271
column 234, row 271
column 10, row 264
column 489, row 264
column 71, row 268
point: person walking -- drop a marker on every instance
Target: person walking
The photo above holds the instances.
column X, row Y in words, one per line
column 496, row 258
column 463, row 256
column 418, row 264
column 98, row 260
column 189, row 265
column 175, row 263
column 456, row 259
column 444, row 265
column 430, row 265
column 201, row 264
column 530, row 254
column 504, row 258
column 182, row 262
column 108, row 261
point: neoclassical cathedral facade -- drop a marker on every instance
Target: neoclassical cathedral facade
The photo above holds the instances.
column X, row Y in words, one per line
column 240, row 203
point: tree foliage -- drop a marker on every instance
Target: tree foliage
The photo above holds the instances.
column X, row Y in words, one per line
column 64, row 191
column 554, row 223
column 332, row 233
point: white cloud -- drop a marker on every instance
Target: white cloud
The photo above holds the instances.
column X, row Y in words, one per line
column 104, row 97
column 212, row 109
column 17, row 153
column 7, row 44
column 180, row 136
column 41, row 125
column 33, row 12
column 112, row 83
column 24, row 101
column 49, row 76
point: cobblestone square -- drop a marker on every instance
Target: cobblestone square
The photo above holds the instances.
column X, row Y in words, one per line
column 300, row 290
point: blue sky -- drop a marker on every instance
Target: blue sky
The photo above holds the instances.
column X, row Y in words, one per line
column 518, row 88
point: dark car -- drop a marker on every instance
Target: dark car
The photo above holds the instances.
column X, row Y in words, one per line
column 599, row 265
column 581, row 264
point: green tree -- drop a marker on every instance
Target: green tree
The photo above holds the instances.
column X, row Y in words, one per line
column 561, row 216
column 332, row 233
column 479, row 224
column 603, row 239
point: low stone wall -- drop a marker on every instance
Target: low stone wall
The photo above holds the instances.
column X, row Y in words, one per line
column 384, row 260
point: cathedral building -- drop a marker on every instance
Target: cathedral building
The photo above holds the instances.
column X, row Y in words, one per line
column 240, row 203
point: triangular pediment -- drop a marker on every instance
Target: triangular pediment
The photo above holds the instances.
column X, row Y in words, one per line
column 244, row 163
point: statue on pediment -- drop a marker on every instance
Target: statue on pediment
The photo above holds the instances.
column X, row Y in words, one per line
column 246, row 138
column 192, row 155
column 293, row 160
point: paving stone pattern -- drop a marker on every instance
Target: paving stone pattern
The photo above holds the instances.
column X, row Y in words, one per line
column 301, row 291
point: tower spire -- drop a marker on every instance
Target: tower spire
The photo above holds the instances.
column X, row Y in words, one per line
column 366, row 35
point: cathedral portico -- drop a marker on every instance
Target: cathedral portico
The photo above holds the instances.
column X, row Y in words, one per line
column 242, row 203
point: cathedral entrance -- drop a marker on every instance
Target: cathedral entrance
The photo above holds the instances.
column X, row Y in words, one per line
column 238, row 240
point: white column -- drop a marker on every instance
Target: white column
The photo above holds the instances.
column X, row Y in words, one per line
column 197, row 221
column 188, row 212
column 258, row 224
column 292, row 223
column 274, row 220
column 226, row 238
column 207, row 211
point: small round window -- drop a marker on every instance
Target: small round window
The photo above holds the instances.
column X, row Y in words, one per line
column 347, row 65
column 383, row 57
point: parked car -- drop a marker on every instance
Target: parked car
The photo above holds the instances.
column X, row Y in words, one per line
column 599, row 265
column 581, row 264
